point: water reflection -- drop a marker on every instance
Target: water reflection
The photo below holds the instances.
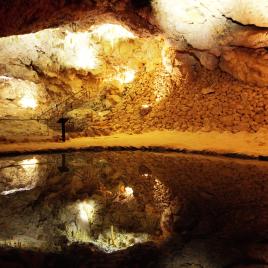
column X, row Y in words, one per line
column 96, row 223
column 203, row 210
column 82, row 198
column 22, row 176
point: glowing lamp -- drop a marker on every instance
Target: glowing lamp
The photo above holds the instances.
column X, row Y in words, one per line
column 27, row 188
column 129, row 191
column 28, row 102
column 86, row 211
column 82, row 52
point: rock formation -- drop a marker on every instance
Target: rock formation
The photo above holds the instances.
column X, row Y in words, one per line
column 197, row 66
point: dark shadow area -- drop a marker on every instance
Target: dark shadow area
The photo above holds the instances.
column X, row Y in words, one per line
column 138, row 4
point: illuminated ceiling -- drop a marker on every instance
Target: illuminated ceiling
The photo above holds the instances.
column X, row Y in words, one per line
column 191, row 26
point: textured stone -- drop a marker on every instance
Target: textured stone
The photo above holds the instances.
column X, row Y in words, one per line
column 247, row 65
column 246, row 12
column 175, row 85
column 208, row 60
column 203, row 23
column 145, row 109
column 207, row 90
column 251, row 37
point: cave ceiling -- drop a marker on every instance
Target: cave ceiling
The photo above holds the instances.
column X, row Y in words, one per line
column 231, row 35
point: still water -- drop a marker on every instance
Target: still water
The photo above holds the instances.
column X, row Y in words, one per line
column 132, row 209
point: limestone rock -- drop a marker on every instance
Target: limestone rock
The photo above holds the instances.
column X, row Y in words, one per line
column 199, row 22
column 246, row 12
column 207, row 90
column 115, row 98
column 119, row 76
column 203, row 23
column 248, row 65
column 251, row 37
column 208, row 60
column 145, row 109
column 188, row 65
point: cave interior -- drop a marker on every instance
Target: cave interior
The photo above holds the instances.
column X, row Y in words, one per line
column 137, row 84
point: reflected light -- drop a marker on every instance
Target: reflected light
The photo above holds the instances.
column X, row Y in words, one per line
column 28, row 102
column 112, row 32
column 161, row 192
column 83, row 53
column 27, row 162
column 86, row 211
column 32, row 161
column 27, row 188
column 128, row 192
column 29, row 166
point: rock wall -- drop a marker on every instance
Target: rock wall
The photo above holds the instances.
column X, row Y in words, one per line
column 212, row 101
column 130, row 80
column 246, row 64
column 233, row 33
column 83, row 75
column 203, row 27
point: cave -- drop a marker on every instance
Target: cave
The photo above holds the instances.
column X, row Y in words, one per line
column 134, row 133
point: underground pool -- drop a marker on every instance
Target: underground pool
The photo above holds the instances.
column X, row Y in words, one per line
column 132, row 209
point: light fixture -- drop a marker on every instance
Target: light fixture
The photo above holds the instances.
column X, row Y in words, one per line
column 86, row 211
column 28, row 101
column 128, row 192
column 27, row 188
column 81, row 51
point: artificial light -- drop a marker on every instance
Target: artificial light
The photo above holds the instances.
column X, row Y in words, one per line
column 28, row 102
column 128, row 192
column 27, row 188
column 82, row 51
column 86, row 211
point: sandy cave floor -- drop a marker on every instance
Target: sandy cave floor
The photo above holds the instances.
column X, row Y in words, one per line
column 243, row 144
